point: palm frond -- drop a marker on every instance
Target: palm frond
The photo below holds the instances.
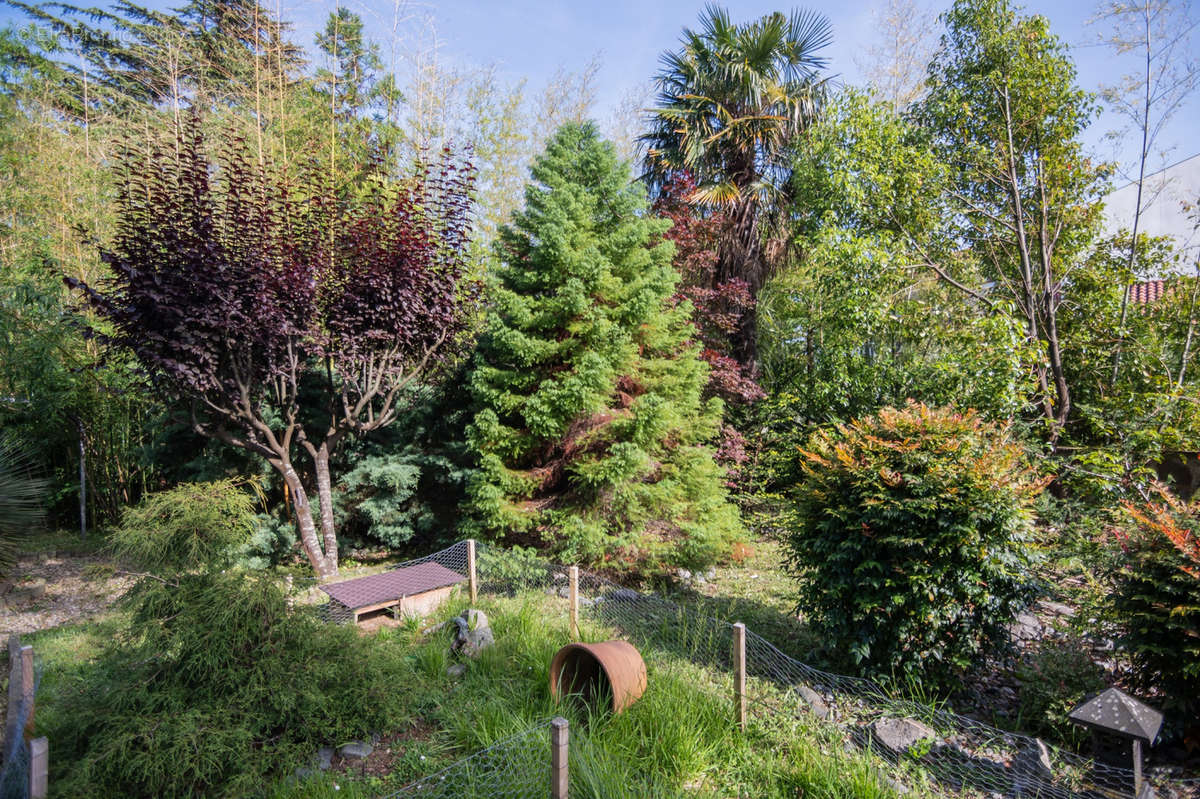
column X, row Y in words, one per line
column 734, row 96
column 22, row 499
column 716, row 194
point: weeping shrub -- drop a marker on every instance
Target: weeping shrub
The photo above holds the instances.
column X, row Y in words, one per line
column 908, row 540
column 1157, row 600
column 215, row 684
column 191, row 526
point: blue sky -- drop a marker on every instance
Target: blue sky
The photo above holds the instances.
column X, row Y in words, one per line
column 531, row 39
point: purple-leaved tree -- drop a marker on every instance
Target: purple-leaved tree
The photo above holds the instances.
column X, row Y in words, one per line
column 235, row 290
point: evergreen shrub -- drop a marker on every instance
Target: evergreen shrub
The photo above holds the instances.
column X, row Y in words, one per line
column 1157, row 600
column 215, row 687
column 272, row 542
column 215, row 683
column 191, row 526
column 404, row 486
column 909, row 540
column 592, row 437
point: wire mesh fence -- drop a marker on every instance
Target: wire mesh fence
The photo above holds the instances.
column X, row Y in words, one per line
column 954, row 753
column 15, row 774
column 517, row 767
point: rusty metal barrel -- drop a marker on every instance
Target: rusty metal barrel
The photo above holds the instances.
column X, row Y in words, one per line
column 595, row 671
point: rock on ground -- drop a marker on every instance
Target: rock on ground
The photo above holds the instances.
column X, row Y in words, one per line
column 474, row 633
column 355, row 750
column 816, row 703
column 900, row 735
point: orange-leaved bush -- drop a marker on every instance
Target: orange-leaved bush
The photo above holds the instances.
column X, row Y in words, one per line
column 908, row 538
column 1157, row 599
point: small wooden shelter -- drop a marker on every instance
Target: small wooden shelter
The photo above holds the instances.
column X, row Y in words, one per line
column 412, row 590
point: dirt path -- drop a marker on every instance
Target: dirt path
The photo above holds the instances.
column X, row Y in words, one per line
column 44, row 592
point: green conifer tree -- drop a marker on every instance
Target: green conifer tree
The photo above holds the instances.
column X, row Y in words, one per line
column 592, row 437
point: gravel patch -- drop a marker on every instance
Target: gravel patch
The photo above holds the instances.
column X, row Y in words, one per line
column 44, row 592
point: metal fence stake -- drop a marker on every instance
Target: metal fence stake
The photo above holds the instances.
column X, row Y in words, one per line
column 574, row 572
column 739, row 674
column 472, row 583
column 559, row 775
column 39, row 768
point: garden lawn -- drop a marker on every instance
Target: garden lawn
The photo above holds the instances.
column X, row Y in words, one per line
column 678, row 740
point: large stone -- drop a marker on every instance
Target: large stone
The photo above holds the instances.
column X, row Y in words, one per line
column 1025, row 627
column 1057, row 608
column 624, row 595
column 475, row 618
column 300, row 775
column 476, row 641
column 816, row 703
column 356, row 750
column 474, row 633
column 901, row 735
column 1033, row 770
column 456, row 670
column 324, row 758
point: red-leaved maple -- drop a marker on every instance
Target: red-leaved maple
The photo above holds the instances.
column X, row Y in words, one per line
column 719, row 305
column 235, row 289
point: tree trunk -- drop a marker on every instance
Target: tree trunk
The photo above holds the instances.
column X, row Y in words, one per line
column 1062, row 408
column 741, row 258
column 325, row 495
column 82, row 481
column 304, row 521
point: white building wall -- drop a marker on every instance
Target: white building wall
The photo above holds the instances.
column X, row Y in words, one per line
column 1166, row 192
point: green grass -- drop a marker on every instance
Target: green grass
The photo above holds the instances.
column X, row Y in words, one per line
column 757, row 591
column 63, row 543
column 678, row 740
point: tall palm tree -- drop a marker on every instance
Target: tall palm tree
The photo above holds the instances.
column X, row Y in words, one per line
column 729, row 102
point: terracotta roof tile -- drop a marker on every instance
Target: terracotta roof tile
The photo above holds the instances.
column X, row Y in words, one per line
column 1147, row 291
column 409, row 581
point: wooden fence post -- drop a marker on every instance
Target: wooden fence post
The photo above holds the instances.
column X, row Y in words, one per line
column 39, row 768
column 559, row 773
column 574, row 572
column 739, row 674
column 1137, row 768
column 20, row 690
column 15, row 691
column 472, row 584
column 27, row 684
